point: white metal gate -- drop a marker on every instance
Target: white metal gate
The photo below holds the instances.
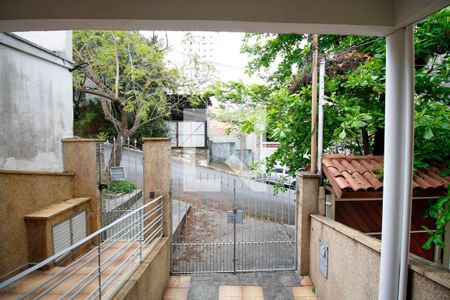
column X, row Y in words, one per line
column 189, row 134
column 233, row 225
column 114, row 204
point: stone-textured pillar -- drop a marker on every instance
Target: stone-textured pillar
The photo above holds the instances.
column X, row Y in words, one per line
column 82, row 159
column 322, row 201
column 307, row 204
column 157, row 176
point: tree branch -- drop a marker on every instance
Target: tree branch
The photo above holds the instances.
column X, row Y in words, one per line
column 97, row 93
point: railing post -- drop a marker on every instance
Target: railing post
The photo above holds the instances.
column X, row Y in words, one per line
column 99, row 273
column 234, row 226
column 141, row 233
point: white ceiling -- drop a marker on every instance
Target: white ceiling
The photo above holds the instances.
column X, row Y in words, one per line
column 366, row 17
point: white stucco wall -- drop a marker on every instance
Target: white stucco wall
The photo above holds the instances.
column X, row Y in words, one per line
column 35, row 107
column 58, row 40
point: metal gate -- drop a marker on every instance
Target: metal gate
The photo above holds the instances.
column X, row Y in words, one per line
column 121, row 181
column 225, row 223
column 191, row 134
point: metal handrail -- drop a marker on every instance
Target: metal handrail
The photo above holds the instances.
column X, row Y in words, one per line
column 135, row 223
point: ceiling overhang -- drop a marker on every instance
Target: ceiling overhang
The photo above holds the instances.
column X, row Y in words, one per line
column 363, row 17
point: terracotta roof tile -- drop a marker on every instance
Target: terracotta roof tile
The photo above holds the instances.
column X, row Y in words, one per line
column 334, row 172
column 342, row 183
column 376, row 184
column 349, row 174
column 358, row 167
column 352, row 182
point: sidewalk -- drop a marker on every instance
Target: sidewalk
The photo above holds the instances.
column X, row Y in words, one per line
column 283, row 285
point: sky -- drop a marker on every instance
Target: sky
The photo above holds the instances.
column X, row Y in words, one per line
column 221, row 49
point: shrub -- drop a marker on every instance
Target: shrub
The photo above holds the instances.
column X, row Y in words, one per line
column 120, row 186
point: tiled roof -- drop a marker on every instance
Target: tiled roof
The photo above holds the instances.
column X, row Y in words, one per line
column 356, row 176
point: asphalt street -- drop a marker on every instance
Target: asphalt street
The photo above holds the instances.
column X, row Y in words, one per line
column 220, row 189
column 216, row 188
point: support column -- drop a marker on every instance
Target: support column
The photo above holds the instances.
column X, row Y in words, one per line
column 307, row 204
column 398, row 149
column 81, row 157
column 157, row 176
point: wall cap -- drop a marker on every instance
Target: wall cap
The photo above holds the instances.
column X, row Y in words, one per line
column 81, row 140
column 157, row 139
column 430, row 270
column 307, row 174
column 56, row 209
column 20, row 172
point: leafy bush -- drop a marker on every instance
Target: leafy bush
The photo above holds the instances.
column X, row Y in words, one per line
column 439, row 210
column 120, row 186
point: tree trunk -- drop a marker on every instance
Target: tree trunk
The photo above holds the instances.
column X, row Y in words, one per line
column 378, row 145
column 116, row 151
column 365, row 140
column 116, row 155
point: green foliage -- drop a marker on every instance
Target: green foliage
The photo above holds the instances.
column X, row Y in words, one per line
column 89, row 121
column 102, row 135
column 440, row 211
column 432, row 131
column 157, row 128
column 354, row 113
column 120, row 187
column 242, row 106
column 354, row 109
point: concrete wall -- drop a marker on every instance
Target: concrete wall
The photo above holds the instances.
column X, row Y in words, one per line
column 226, row 152
column 36, row 106
column 59, row 41
column 220, row 151
column 354, row 266
column 26, row 192
column 149, row 280
column 422, row 287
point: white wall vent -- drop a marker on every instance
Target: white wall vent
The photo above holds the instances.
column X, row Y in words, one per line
column 61, row 236
column 69, row 232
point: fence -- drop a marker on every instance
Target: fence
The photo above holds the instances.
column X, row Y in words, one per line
column 234, row 224
column 128, row 170
column 96, row 266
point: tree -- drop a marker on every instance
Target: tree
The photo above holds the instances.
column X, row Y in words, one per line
column 354, row 117
column 126, row 73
